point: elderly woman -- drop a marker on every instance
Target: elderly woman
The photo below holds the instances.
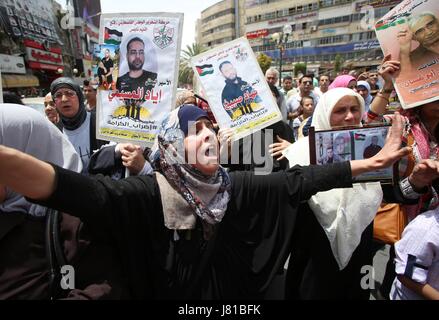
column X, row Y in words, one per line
column 191, row 230
column 333, row 242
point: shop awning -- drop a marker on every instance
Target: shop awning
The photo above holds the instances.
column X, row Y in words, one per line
column 17, row 81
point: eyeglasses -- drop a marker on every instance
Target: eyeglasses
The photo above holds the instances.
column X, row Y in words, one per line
column 68, row 94
column 307, row 82
column 136, row 52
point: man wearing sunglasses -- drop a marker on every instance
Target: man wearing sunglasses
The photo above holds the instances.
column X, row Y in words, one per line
column 306, row 89
column 79, row 126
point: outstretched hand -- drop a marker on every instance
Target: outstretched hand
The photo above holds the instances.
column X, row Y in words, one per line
column 392, row 151
column 276, row 148
column 389, row 154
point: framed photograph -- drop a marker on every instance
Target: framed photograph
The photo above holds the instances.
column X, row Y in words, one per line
column 331, row 146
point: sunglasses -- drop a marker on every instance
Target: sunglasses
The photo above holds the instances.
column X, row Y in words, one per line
column 307, row 82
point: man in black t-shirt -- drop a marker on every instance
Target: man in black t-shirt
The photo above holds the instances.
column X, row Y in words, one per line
column 136, row 78
column 108, row 64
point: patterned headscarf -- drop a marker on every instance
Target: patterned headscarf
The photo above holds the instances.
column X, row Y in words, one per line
column 168, row 156
column 422, row 149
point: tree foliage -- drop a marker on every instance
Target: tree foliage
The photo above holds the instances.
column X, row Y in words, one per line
column 338, row 63
column 299, row 68
column 185, row 73
column 264, row 62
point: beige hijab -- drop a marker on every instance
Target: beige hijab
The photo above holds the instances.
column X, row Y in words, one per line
column 343, row 213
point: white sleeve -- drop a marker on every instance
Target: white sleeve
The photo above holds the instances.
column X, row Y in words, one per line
column 147, row 169
column 415, row 251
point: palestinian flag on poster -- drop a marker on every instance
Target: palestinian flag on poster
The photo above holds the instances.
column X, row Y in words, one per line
column 204, row 69
column 359, row 136
column 112, row 36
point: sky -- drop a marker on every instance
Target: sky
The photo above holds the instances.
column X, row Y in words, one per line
column 191, row 9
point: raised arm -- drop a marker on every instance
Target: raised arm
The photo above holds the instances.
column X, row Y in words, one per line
column 25, row 174
column 378, row 106
column 388, row 155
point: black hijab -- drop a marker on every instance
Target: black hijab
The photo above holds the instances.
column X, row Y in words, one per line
column 76, row 121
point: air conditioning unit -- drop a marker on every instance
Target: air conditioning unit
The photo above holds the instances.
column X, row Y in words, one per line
column 313, row 28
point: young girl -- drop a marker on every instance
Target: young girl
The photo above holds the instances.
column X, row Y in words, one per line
column 307, row 109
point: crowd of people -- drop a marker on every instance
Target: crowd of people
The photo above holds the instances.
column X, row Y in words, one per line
column 137, row 222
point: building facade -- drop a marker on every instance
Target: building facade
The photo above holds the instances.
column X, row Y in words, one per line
column 221, row 23
column 31, row 45
column 321, row 30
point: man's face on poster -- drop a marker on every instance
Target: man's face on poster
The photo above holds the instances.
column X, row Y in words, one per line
column 339, row 145
column 329, row 153
column 228, row 71
column 136, row 55
column 426, row 31
column 107, row 54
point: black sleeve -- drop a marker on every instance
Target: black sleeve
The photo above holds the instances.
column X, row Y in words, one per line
column 100, row 200
column 104, row 161
column 295, row 185
column 254, row 238
column 318, row 178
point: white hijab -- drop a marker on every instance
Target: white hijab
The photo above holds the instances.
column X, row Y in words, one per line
column 24, row 129
column 343, row 213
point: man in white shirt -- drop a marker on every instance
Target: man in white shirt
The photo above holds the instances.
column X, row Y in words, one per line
column 293, row 103
column 272, row 77
column 323, row 85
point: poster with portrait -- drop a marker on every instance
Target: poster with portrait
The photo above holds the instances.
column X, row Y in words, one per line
column 331, row 146
column 139, row 55
column 410, row 33
column 236, row 89
column 101, row 68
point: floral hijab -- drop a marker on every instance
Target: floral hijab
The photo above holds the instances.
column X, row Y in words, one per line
column 206, row 196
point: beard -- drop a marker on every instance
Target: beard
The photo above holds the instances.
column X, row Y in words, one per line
column 135, row 65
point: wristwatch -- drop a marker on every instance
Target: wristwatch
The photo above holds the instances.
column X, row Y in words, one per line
column 408, row 191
